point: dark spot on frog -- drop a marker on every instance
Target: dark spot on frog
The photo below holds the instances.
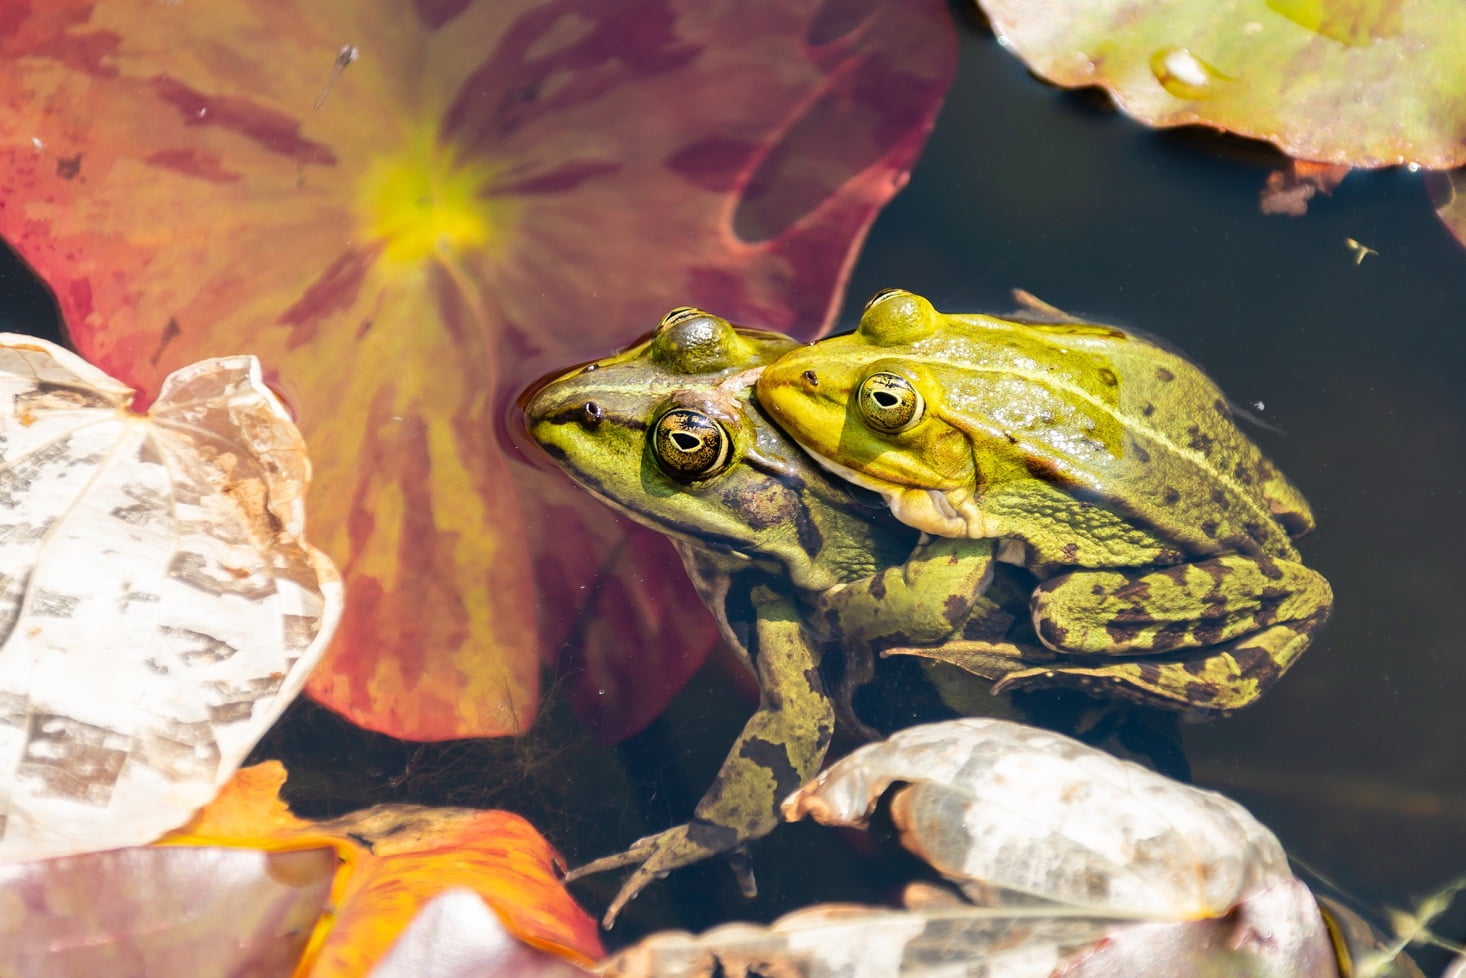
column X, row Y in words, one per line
column 1254, row 662
column 1218, row 570
column 1124, row 629
column 1199, row 440
column 957, row 609
column 832, row 621
column 710, row 837
column 1221, row 499
column 68, row 167
column 361, row 840
column 1136, row 592
column 758, row 510
column 1257, row 533
column 1176, row 575
column 1210, row 628
column 773, row 758
column 1269, row 569
column 1140, row 453
column 1209, row 527
column 1107, row 377
column 1269, row 600
column 1147, row 409
column 1045, row 470
column 807, row 531
column 1170, row 496
column 1053, row 635
column 1242, row 473
column 1163, row 375
column 878, row 587
column 1070, row 552
column 810, row 378
column 1222, row 408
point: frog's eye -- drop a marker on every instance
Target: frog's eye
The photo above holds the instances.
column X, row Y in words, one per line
column 889, row 403
column 882, row 296
column 690, row 445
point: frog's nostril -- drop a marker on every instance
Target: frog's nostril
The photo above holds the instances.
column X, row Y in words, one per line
column 810, row 378
column 593, row 413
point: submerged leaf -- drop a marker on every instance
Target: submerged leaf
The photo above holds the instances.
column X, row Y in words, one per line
column 200, row 912
column 1312, row 76
column 410, row 209
column 161, row 607
column 395, row 858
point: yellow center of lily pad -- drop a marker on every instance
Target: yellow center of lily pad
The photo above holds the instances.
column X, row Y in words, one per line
column 425, row 202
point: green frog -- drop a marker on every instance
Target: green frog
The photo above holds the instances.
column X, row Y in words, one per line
column 1108, row 465
column 793, row 563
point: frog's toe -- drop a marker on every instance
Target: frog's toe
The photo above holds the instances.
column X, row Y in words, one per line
column 657, row 855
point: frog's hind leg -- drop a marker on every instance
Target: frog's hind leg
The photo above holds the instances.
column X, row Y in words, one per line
column 1210, row 635
column 1188, row 606
column 1215, row 680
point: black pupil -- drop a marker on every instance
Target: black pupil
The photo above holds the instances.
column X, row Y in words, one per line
column 686, row 442
column 886, row 399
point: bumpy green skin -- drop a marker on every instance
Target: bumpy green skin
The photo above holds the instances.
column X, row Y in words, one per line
column 790, row 564
column 1108, row 465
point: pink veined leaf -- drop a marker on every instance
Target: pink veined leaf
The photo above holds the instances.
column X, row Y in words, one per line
column 200, row 911
column 408, row 210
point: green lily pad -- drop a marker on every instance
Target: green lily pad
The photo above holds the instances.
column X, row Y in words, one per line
column 1363, row 82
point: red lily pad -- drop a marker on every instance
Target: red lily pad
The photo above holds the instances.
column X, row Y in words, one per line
column 1357, row 82
column 407, row 210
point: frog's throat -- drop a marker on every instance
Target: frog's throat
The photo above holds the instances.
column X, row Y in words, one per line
column 953, row 513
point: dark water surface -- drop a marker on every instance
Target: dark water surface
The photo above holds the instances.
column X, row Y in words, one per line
column 1355, row 759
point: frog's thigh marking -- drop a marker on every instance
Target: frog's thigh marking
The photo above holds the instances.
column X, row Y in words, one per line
column 1186, row 606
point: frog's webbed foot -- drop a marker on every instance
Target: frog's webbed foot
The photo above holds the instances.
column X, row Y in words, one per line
column 781, row 747
column 657, row 855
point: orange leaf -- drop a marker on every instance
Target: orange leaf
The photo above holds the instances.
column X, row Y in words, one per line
column 409, row 209
column 394, row 859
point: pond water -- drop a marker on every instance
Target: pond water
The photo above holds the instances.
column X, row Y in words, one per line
column 1354, row 759
column 1356, row 368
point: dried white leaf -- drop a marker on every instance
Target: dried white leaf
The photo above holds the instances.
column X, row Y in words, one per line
column 1271, row 936
column 1016, row 813
column 159, row 606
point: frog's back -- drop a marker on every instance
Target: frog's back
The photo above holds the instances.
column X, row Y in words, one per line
column 1123, row 421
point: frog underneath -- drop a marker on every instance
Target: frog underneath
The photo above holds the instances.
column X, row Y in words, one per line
column 792, row 565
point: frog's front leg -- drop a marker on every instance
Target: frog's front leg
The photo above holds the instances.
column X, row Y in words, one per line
column 1251, row 617
column 926, row 600
column 781, row 747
